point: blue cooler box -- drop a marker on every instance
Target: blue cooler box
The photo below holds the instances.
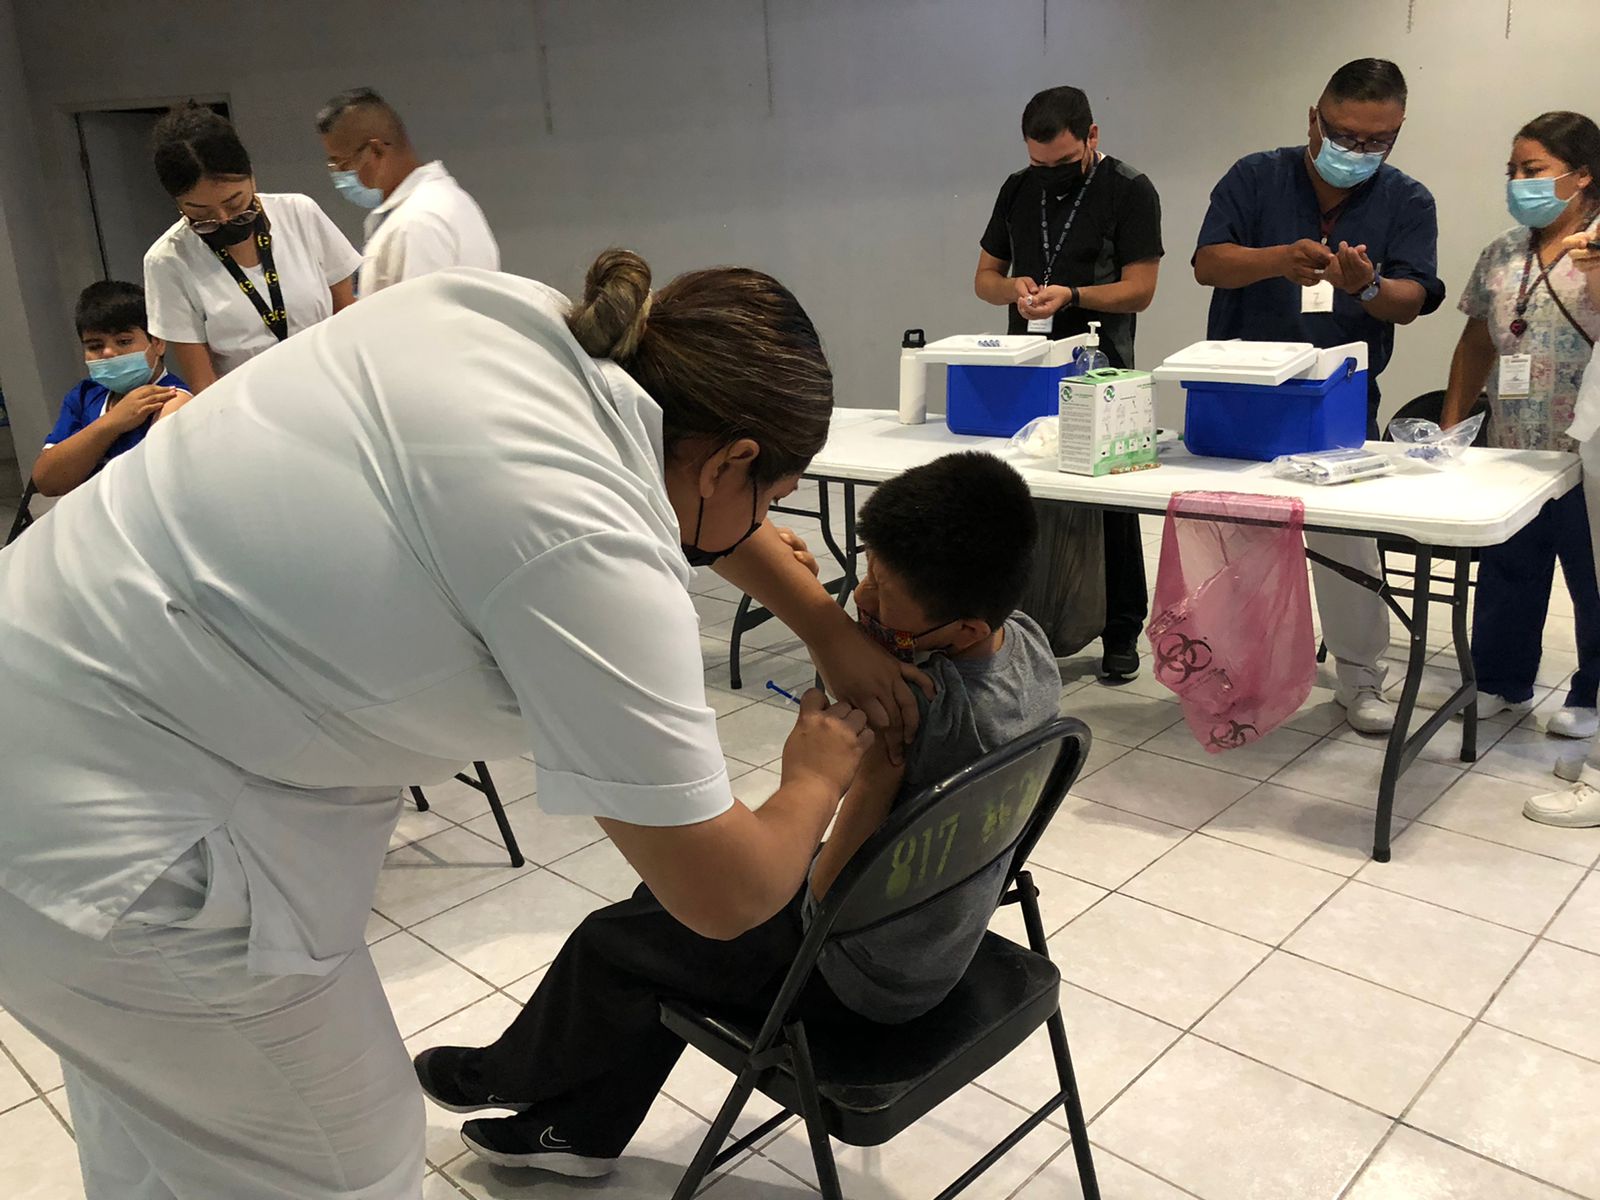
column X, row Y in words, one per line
column 998, row 401
column 1300, row 416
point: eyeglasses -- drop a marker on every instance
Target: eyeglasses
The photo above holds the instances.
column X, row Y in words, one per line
column 345, row 163
column 246, row 217
column 1356, row 145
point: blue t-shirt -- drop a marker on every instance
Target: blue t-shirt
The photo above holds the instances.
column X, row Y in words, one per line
column 86, row 403
column 1267, row 199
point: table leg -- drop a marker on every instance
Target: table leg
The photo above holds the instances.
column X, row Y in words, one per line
column 1396, row 758
column 1463, row 641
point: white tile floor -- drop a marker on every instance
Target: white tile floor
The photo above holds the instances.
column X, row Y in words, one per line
column 1257, row 1011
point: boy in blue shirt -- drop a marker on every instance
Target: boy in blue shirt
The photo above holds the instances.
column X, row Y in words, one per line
column 949, row 548
column 127, row 390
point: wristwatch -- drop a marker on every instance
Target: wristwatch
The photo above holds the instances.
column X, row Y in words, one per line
column 1370, row 292
column 1073, row 301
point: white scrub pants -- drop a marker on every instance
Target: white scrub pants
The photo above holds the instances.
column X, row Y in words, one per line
column 190, row 1079
column 1355, row 621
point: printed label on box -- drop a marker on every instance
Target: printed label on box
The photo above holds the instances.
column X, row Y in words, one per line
column 1108, row 422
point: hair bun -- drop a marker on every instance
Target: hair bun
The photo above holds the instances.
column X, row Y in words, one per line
column 610, row 320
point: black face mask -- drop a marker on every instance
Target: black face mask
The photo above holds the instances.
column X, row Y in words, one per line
column 704, row 558
column 1060, row 179
column 231, row 235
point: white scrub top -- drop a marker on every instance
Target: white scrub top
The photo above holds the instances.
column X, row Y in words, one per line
column 429, row 531
column 191, row 297
column 428, row 223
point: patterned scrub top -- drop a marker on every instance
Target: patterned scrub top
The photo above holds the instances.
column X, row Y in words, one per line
column 1539, row 420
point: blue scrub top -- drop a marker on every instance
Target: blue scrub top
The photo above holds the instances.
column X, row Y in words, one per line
column 86, row 403
column 1267, row 199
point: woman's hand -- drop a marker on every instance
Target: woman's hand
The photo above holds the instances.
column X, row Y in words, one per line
column 796, row 543
column 1578, row 249
column 858, row 670
column 826, row 746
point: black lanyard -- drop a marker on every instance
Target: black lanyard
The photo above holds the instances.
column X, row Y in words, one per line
column 1044, row 224
column 1525, row 291
column 275, row 318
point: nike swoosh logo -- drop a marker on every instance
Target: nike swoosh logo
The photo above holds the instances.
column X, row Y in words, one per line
column 549, row 1141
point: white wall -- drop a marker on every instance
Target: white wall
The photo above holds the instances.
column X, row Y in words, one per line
column 852, row 147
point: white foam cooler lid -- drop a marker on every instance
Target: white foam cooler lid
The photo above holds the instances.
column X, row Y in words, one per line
column 987, row 350
column 1262, row 363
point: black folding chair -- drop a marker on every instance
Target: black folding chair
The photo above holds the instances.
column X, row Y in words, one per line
column 864, row 1083
column 483, row 783
column 1427, row 407
column 24, row 517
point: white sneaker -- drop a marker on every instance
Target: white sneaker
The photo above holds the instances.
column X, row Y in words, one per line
column 1570, row 767
column 1578, row 807
column 1493, row 706
column 1366, row 710
column 1572, row 722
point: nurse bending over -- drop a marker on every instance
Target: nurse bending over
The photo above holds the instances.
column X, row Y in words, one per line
column 454, row 522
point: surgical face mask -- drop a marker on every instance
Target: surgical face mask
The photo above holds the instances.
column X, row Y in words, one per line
column 349, row 185
column 1059, row 179
column 1343, row 168
column 120, row 375
column 1534, row 203
column 704, row 558
column 901, row 643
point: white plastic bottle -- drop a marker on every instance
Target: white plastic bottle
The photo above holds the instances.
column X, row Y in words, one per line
column 913, row 379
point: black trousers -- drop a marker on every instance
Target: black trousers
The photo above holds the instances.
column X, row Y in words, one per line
column 589, row 1053
column 1127, row 595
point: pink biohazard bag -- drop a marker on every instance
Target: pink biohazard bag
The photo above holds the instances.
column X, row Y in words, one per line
column 1231, row 630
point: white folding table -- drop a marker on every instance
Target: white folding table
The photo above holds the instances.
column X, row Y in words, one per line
column 1441, row 515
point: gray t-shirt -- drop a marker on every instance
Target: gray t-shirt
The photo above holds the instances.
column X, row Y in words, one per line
column 903, row 968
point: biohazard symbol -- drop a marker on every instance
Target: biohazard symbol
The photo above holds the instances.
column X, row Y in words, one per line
column 1233, row 735
column 1178, row 657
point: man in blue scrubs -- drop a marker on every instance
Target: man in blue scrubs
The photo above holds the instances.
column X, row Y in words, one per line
column 1326, row 243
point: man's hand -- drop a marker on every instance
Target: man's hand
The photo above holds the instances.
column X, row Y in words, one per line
column 827, row 744
column 796, row 543
column 1304, row 262
column 857, row 669
column 137, row 407
column 1026, row 290
column 1046, row 302
column 1351, row 270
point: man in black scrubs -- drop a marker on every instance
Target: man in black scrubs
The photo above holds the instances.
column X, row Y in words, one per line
column 1076, row 237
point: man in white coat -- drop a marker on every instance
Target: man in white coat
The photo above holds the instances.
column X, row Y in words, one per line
column 422, row 220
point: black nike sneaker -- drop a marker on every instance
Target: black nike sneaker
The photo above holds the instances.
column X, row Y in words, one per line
column 519, row 1142
column 449, row 1080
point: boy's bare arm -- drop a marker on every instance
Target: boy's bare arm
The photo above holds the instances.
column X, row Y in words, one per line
column 864, row 809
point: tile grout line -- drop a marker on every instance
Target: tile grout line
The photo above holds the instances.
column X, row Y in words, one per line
column 1352, row 878
column 1474, row 1023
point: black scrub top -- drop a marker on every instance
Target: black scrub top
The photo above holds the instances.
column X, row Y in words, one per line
column 1118, row 222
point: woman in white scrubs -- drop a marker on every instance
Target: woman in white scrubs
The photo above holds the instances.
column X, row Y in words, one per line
column 241, row 270
column 454, row 523
column 1578, row 806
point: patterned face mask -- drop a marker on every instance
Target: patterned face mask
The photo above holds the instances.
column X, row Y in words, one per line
column 899, row 642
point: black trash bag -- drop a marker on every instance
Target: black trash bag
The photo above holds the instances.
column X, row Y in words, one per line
column 1067, row 592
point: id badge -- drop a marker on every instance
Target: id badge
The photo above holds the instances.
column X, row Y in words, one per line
column 1516, row 375
column 1318, row 298
column 1041, row 324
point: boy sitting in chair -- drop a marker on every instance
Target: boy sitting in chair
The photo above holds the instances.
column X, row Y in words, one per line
column 949, row 546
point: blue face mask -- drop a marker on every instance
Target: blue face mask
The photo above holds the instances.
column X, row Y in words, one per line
column 1343, row 168
column 120, row 375
column 1534, row 203
column 349, row 186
